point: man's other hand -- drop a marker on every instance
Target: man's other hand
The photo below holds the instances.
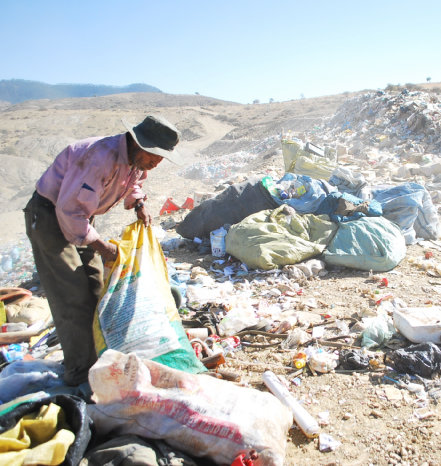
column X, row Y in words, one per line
column 144, row 215
column 108, row 251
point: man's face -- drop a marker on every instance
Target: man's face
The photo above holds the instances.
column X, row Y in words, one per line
column 143, row 160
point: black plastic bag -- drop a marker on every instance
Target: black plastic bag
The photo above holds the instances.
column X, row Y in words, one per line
column 423, row 359
column 75, row 410
column 229, row 207
column 353, row 360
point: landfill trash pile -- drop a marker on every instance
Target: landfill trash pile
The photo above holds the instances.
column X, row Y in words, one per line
column 400, row 122
column 227, row 166
column 343, row 363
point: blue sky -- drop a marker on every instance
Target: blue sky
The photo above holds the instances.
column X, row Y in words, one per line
column 238, row 50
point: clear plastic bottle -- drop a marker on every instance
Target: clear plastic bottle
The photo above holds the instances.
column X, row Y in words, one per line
column 13, row 327
column 6, row 263
column 15, row 254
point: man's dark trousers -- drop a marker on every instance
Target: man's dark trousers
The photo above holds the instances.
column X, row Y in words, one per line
column 72, row 278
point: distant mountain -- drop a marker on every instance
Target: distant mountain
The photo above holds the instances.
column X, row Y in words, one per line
column 19, row 90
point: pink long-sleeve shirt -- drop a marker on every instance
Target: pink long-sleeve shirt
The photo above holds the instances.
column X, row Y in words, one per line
column 88, row 178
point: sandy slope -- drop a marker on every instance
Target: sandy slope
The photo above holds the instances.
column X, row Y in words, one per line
column 34, row 132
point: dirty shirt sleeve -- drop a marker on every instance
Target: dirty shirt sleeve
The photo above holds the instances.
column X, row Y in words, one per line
column 79, row 198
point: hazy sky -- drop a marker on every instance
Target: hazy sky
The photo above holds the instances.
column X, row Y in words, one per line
column 238, row 50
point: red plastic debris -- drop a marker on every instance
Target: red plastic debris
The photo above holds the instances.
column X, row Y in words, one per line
column 188, row 204
column 384, row 282
column 428, row 254
column 169, row 206
column 384, row 298
column 241, row 461
column 197, row 347
column 234, row 342
column 245, row 460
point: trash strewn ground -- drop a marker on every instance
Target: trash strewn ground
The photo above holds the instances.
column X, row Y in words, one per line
column 378, row 415
column 326, row 331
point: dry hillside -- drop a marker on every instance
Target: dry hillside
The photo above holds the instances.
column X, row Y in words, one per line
column 34, row 132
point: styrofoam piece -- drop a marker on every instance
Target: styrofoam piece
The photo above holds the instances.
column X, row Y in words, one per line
column 419, row 324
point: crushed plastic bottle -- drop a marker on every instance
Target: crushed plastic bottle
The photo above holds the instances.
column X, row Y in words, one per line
column 295, row 337
column 230, row 345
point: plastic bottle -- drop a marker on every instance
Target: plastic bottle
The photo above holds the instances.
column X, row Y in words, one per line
column 15, row 254
column 299, row 188
column 14, row 352
column 270, row 185
column 6, row 263
column 302, row 418
column 300, row 360
column 13, row 327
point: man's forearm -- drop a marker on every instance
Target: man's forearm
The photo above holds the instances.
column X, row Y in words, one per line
column 107, row 250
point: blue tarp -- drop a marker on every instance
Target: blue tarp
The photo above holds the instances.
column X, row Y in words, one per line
column 410, row 206
column 369, row 243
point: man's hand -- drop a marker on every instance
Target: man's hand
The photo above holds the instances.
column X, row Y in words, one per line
column 143, row 214
column 108, row 251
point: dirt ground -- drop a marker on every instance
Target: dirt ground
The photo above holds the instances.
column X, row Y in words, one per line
column 375, row 420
